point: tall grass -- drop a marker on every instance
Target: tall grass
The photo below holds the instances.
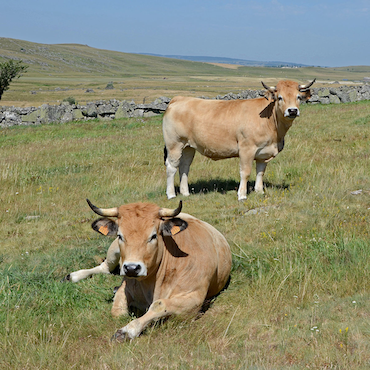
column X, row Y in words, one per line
column 299, row 294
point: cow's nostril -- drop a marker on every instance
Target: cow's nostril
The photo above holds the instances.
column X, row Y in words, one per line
column 132, row 269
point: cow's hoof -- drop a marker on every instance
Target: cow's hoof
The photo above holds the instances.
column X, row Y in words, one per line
column 120, row 336
column 66, row 278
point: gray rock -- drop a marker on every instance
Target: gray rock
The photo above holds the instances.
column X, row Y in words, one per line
column 334, row 99
column 114, row 103
column 323, row 92
column 124, row 110
column 161, row 100
column 314, row 99
column 31, row 117
column 343, row 96
column 352, row 95
column 150, row 114
column 77, row 114
column 90, row 110
column 106, row 109
column 51, row 113
column 11, row 116
column 67, row 117
column 138, row 113
column 324, row 100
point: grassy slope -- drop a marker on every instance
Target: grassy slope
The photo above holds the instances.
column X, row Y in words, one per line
column 79, row 60
column 59, row 71
column 299, row 295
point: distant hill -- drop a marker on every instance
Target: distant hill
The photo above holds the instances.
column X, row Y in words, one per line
column 84, row 63
column 241, row 62
column 77, row 60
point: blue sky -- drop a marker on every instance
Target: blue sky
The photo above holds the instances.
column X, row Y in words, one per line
column 323, row 33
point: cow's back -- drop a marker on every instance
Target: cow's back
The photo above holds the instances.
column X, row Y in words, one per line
column 196, row 258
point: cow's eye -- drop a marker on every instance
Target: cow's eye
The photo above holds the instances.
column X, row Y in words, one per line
column 153, row 237
column 280, row 98
column 299, row 97
column 120, row 237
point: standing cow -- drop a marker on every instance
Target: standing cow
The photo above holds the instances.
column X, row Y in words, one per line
column 172, row 263
column 249, row 129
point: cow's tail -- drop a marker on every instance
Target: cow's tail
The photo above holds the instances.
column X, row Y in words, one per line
column 165, row 154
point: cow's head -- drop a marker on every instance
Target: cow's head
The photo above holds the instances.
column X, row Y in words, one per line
column 139, row 228
column 288, row 95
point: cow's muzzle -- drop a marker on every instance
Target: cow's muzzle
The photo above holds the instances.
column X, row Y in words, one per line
column 133, row 270
column 291, row 113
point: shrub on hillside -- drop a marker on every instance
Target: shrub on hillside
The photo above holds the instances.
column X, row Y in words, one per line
column 70, row 100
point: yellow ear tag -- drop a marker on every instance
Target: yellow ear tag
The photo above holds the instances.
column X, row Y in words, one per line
column 104, row 230
column 175, row 230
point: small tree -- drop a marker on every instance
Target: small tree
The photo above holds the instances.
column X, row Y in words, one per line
column 8, row 71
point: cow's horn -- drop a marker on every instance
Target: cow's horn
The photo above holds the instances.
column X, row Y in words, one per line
column 306, row 87
column 272, row 88
column 107, row 212
column 166, row 212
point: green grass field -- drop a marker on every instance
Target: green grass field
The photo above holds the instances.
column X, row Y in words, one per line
column 300, row 287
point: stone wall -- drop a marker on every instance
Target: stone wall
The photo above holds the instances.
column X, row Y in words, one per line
column 113, row 109
column 65, row 112
column 343, row 94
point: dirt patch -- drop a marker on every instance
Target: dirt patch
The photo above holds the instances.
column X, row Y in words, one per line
column 229, row 66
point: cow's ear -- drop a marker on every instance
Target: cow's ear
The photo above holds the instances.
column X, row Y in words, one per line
column 270, row 95
column 305, row 95
column 105, row 226
column 173, row 226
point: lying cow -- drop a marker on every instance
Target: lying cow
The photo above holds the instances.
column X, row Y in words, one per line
column 171, row 262
column 249, row 129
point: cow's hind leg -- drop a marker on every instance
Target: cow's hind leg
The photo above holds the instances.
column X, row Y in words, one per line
column 260, row 170
column 106, row 267
column 172, row 162
column 185, row 162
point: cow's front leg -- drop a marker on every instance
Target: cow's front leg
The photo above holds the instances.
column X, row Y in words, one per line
column 120, row 305
column 260, row 170
column 246, row 162
column 106, row 267
column 189, row 303
column 171, row 172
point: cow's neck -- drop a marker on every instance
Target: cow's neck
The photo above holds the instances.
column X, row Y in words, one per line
column 281, row 123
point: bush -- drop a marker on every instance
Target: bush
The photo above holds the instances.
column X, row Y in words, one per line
column 70, row 100
column 8, row 71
